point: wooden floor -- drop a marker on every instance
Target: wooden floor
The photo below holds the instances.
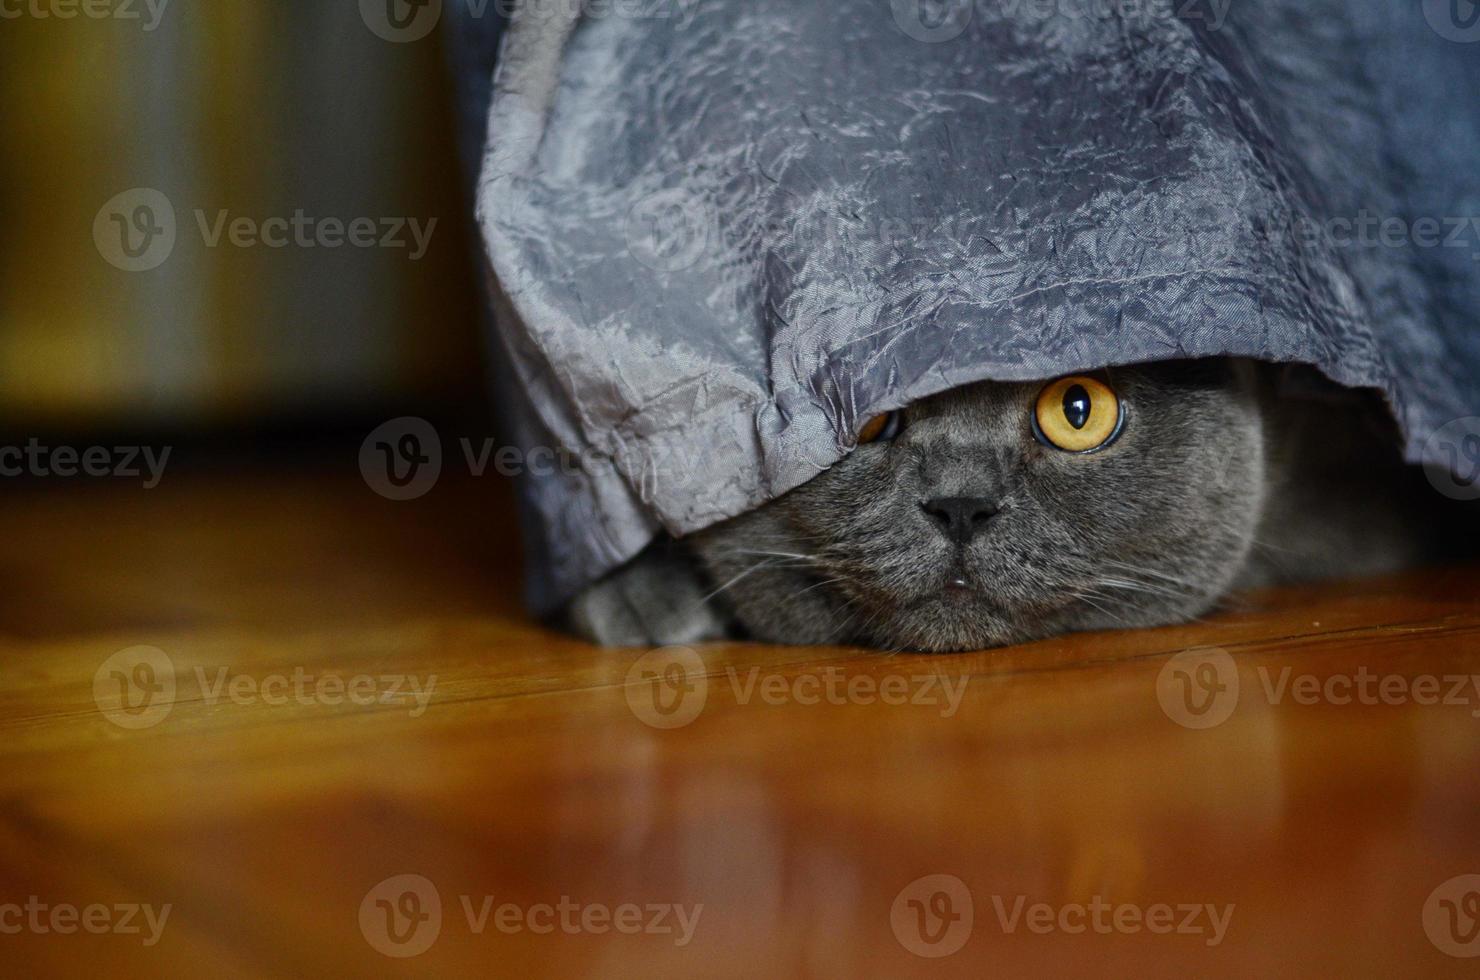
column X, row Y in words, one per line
column 1159, row 803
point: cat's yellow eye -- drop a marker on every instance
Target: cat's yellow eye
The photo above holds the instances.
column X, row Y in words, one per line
column 1077, row 414
column 881, row 428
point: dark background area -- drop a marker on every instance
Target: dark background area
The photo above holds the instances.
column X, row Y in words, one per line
column 263, row 109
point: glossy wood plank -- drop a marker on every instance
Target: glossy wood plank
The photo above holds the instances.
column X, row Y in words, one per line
column 800, row 816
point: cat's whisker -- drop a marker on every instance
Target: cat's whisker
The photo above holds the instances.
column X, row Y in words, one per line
column 832, row 634
column 1267, row 546
column 1153, row 572
column 1085, row 597
column 818, row 585
column 1145, row 587
column 770, row 554
column 758, row 566
column 874, row 615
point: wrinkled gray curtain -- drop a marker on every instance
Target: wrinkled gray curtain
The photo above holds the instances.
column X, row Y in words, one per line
column 722, row 233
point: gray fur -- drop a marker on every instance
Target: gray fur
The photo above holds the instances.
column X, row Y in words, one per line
column 658, row 599
column 1221, row 479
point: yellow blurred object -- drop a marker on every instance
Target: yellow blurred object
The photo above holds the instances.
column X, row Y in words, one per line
column 246, row 116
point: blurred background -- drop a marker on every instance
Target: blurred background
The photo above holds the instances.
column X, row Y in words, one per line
column 229, row 110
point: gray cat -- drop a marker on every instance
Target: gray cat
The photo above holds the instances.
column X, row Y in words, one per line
column 999, row 513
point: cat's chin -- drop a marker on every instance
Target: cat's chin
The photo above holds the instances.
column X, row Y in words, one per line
column 958, row 616
column 951, row 621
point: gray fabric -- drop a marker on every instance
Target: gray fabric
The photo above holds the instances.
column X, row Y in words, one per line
column 868, row 218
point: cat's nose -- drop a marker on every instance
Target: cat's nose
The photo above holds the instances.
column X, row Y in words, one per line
column 960, row 518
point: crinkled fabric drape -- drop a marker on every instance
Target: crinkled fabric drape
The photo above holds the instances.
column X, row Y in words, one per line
column 741, row 227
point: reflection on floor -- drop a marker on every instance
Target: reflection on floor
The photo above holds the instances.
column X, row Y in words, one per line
column 278, row 725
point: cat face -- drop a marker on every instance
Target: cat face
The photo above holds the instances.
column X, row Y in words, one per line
column 998, row 513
